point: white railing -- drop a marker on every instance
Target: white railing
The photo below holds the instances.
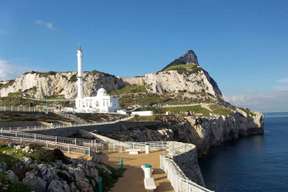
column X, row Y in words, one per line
column 26, row 109
column 34, row 128
column 177, row 178
column 153, row 145
column 179, row 181
column 48, row 141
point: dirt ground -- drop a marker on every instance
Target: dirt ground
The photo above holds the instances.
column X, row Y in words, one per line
column 133, row 178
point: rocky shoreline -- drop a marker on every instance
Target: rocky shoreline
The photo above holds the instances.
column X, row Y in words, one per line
column 204, row 132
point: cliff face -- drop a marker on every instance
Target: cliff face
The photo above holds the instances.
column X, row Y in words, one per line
column 53, row 84
column 204, row 132
column 183, row 77
column 186, row 84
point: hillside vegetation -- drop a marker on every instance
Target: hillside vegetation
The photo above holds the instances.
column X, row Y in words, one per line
column 183, row 68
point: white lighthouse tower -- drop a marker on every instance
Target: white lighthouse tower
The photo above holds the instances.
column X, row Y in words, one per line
column 79, row 75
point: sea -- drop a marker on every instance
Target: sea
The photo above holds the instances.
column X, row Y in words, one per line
column 251, row 164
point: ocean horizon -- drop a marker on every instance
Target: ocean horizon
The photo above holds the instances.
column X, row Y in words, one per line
column 255, row 163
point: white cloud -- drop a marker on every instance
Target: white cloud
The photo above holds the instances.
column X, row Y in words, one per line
column 47, row 24
column 282, row 84
column 285, row 80
column 9, row 70
column 273, row 101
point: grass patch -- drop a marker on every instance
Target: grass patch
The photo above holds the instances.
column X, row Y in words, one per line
column 43, row 155
column 15, row 99
column 73, row 78
column 145, row 118
column 30, row 116
column 55, row 97
column 9, row 83
column 129, row 89
column 8, row 186
column 220, row 110
column 197, row 109
column 248, row 112
column 42, row 74
column 184, row 68
column 142, row 99
column 110, row 177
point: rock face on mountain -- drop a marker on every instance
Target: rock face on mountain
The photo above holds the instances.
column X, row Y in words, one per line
column 204, row 132
column 187, row 84
column 182, row 77
column 188, row 58
column 55, row 84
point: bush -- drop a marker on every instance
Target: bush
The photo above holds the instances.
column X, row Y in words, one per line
column 129, row 89
column 42, row 155
column 8, row 186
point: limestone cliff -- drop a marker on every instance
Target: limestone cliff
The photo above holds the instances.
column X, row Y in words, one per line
column 204, row 132
column 186, row 84
column 58, row 84
column 183, row 76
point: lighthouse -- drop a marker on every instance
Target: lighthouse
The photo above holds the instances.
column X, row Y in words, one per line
column 79, row 75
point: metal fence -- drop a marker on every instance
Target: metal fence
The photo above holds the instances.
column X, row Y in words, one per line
column 153, row 145
column 26, row 109
column 22, row 138
column 35, row 128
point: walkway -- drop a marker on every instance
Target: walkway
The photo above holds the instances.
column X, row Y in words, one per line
column 133, row 178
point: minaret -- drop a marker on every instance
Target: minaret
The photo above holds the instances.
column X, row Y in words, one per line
column 79, row 75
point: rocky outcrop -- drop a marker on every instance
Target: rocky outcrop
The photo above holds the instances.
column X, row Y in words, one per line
column 66, row 175
column 187, row 84
column 188, row 58
column 138, row 80
column 183, row 76
column 191, row 82
column 53, row 84
column 204, row 132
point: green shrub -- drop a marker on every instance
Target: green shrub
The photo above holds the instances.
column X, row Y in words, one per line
column 110, row 178
column 42, row 155
column 8, row 186
column 129, row 89
column 9, row 83
column 73, row 78
column 220, row 110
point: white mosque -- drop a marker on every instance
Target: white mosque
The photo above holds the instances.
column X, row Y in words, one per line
column 101, row 103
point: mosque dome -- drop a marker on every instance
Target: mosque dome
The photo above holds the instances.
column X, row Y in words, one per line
column 101, row 92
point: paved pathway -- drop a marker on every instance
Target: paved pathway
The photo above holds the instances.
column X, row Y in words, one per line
column 133, row 178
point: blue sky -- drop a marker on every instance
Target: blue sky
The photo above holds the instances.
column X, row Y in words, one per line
column 243, row 44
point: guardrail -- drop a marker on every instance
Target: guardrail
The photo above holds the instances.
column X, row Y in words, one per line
column 177, row 178
column 48, row 141
column 26, row 109
column 175, row 175
column 153, row 145
column 34, row 128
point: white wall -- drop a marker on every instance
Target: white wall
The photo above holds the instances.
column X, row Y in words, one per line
column 142, row 113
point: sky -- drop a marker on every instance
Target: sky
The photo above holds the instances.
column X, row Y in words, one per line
column 242, row 44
